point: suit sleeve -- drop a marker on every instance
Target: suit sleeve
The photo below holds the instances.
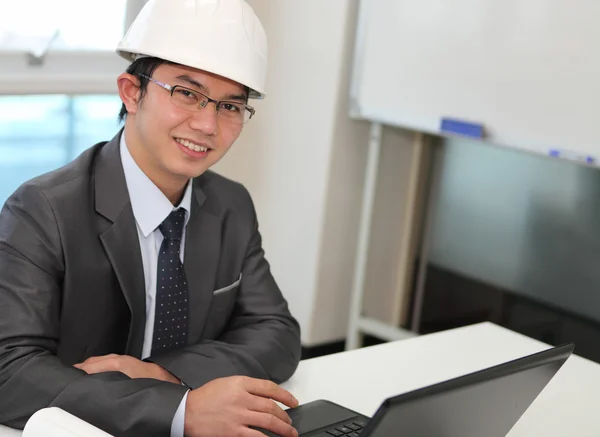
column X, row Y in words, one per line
column 262, row 338
column 31, row 375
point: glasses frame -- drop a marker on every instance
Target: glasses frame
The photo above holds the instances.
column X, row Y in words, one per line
column 203, row 103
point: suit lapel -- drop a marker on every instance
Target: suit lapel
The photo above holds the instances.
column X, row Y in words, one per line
column 120, row 239
column 201, row 257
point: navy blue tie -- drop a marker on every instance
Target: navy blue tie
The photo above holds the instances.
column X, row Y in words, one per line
column 171, row 311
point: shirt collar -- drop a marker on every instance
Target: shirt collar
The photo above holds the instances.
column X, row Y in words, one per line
column 150, row 206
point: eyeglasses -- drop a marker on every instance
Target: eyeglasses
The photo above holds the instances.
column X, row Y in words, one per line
column 192, row 100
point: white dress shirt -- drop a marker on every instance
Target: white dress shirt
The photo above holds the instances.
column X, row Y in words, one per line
column 150, row 208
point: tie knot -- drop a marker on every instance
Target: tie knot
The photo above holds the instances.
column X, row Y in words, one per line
column 172, row 227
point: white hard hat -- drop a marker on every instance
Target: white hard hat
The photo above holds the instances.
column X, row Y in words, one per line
column 223, row 37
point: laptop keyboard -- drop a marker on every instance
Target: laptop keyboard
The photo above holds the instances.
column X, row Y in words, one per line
column 350, row 429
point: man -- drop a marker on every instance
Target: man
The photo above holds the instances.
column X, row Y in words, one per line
column 134, row 292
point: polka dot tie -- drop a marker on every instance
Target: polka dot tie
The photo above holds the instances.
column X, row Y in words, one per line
column 171, row 312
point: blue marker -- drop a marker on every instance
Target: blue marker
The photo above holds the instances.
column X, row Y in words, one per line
column 460, row 127
column 573, row 156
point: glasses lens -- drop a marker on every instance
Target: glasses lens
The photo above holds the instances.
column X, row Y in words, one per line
column 232, row 111
column 187, row 99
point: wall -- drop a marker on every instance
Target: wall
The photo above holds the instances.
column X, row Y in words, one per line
column 398, row 219
column 303, row 160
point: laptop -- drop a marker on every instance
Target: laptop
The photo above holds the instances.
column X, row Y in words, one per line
column 484, row 403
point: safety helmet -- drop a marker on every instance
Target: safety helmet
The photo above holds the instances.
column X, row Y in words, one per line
column 223, row 37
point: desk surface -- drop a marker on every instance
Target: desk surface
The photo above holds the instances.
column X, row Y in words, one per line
column 377, row 372
column 392, row 368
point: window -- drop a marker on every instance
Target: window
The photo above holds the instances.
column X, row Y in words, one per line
column 66, row 46
column 58, row 71
column 41, row 133
column 87, row 25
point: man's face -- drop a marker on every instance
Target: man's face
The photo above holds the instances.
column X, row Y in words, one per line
column 167, row 135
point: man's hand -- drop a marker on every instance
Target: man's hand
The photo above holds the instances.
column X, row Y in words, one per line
column 229, row 406
column 130, row 366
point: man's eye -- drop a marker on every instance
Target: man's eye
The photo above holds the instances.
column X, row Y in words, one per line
column 231, row 107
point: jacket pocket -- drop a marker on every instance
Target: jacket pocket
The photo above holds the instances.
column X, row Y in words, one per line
column 229, row 287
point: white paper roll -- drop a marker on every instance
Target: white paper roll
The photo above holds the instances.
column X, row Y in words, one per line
column 54, row 422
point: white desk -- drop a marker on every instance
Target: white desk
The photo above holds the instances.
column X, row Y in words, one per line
column 571, row 398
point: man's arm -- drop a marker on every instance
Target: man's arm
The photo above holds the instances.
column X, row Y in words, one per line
column 31, row 375
column 262, row 339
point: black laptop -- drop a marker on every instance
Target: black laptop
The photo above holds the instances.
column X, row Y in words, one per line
column 485, row 403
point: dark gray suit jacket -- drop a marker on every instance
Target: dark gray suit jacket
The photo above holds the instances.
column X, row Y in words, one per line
column 72, row 287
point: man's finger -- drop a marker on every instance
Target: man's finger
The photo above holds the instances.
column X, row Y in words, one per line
column 268, row 389
column 262, row 405
column 247, row 432
column 99, row 358
column 98, row 367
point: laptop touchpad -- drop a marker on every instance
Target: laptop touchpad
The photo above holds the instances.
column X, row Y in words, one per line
column 317, row 414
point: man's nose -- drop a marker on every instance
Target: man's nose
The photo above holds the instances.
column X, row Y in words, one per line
column 205, row 120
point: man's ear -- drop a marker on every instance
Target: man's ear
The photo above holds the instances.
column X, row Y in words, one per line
column 129, row 91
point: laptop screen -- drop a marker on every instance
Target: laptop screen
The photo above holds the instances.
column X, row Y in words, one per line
column 486, row 403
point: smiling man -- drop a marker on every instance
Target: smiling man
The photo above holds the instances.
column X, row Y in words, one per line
column 134, row 292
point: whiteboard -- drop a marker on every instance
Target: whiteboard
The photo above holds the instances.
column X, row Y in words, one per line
column 527, row 70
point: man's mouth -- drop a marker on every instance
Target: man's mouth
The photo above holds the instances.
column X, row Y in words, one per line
column 192, row 146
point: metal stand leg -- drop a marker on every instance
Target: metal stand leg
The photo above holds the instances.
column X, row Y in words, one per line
column 354, row 337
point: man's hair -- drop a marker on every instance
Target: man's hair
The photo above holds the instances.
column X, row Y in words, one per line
column 139, row 67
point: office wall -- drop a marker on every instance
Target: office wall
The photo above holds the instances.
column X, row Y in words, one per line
column 303, row 160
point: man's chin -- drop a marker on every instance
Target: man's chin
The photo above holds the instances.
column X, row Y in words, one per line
column 190, row 173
